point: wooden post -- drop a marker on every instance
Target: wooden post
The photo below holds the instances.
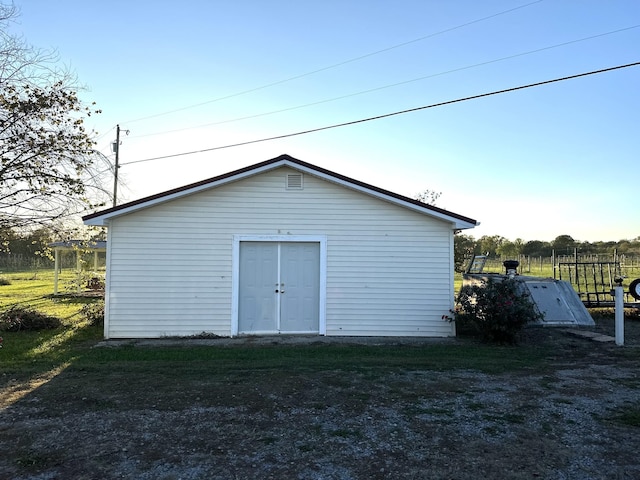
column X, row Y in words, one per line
column 117, row 165
column 78, row 269
column 55, row 273
column 575, row 260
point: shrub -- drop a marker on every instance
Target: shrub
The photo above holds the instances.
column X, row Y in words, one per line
column 95, row 283
column 24, row 318
column 496, row 310
column 5, row 281
column 93, row 313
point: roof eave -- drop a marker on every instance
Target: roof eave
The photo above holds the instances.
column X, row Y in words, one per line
column 96, row 222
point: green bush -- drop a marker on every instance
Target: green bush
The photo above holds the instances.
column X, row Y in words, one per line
column 496, row 310
column 95, row 283
column 93, row 313
column 27, row 319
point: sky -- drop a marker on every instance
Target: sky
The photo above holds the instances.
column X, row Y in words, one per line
column 535, row 163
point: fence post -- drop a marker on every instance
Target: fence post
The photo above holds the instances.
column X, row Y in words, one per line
column 55, row 271
column 619, row 292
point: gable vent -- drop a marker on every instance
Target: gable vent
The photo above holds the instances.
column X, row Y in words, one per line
column 294, row 181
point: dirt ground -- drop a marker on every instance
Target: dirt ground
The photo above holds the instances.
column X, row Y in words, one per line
column 566, row 421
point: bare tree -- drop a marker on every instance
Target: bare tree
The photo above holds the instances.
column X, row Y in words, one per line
column 49, row 169
column 23, row 64
column 430, row 197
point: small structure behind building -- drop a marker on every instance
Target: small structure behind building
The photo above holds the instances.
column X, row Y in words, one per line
column 79, row 247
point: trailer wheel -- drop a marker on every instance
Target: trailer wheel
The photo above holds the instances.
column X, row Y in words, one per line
column 634, row 289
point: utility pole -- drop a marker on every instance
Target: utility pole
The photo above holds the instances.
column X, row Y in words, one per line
column 116, row 148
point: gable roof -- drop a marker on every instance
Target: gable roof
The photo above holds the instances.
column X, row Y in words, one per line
column 102, row 217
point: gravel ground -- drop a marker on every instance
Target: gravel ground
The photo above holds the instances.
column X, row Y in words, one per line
column 567, row 421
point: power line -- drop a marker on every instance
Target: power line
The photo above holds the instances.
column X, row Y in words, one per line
column 100, row 137
column 386, row 115
column 335, row 65
column 363, row 92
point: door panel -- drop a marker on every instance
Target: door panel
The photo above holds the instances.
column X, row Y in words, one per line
column 279, row 287
column 300, row 281
column 258, row 278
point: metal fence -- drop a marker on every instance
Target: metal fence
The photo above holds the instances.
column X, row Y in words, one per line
column 17, row 262
column 592, row 276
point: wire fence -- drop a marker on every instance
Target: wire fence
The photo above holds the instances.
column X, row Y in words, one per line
column 67, row 260
column 592, row 276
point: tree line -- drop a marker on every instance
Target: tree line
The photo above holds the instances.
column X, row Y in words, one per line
column 34, row 242
column 22, row 249
column 495, row 245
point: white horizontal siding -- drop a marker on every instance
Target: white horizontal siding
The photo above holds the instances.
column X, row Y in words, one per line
column 389, row 269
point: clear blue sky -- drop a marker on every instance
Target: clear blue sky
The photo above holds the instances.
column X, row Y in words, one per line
column 534, row 164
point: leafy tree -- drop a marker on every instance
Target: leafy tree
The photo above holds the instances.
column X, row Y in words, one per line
column 627, row 247
column 564, row 244
column 29, row 244
column 510, row 249
column 536, row 248
column 96, row 234
column 7, row 237
column 37, row 242
column 586, row 247
column 490, row 244
column 47, row 160
column 464, row 247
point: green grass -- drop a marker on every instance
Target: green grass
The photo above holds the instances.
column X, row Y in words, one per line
column 35, row 289
column 33, row 352
column 29, row 360
column 490, row 359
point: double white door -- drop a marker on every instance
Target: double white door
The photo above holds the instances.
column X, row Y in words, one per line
column 279, row 289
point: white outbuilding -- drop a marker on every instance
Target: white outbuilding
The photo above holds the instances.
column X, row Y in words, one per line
column 279, row 247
